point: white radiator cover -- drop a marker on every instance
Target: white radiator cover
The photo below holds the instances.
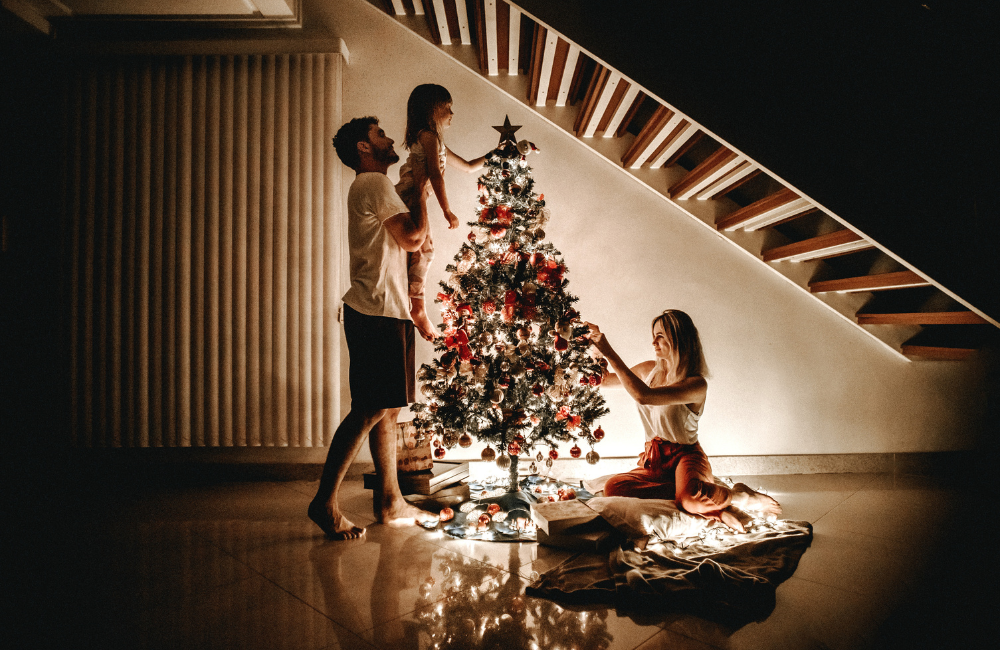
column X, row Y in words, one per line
column 204, row 195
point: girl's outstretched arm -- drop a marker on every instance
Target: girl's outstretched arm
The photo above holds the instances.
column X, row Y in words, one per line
column 690, row 390
column 463, row 165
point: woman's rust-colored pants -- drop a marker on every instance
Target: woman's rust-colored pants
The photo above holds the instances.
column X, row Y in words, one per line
column 668, row 470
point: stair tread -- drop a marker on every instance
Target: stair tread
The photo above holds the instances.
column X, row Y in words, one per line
column 878, row 281
column 965, row 317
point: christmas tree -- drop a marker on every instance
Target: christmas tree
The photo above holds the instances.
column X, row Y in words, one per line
column 514, row 368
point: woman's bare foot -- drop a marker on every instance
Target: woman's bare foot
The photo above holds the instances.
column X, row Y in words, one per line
column 423, row 324
column 403, row 514
column 333, row 524
column 746, row 498
column 736, row 519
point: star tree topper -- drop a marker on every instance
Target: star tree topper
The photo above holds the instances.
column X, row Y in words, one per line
column 507, row 130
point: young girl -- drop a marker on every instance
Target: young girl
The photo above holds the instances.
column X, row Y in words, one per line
column 428, row 114
column 670, row 393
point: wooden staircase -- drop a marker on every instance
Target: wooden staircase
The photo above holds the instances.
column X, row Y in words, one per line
column 693, row 168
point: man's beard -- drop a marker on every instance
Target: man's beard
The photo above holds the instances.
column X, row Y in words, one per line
column 386, row 156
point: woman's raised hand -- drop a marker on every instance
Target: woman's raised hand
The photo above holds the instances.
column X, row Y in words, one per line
column 597, row 337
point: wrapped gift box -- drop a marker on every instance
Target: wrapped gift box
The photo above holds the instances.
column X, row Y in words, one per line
column 412, row 456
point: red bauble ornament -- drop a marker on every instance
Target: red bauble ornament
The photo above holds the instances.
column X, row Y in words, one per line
column 595, row 380
column 446, row 514
column 492, row 509
column 553, row 454
column 509, row 306
column 598, row 433
column 567, row 494
column 439, row 453
column 537, row 390
column 488, row 454
column 472, row 236
column 513, row 448
column 465, row 441
column 483, row 523
column 575, row 451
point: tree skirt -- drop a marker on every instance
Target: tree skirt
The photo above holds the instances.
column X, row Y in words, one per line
column 509, row 520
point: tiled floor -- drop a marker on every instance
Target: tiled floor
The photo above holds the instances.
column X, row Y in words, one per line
column 237, row 565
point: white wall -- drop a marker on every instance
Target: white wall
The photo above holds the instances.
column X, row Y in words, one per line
column 788, row 376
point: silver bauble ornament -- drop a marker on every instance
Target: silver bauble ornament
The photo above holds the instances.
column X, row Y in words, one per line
column 503, row 461
column 593, row 457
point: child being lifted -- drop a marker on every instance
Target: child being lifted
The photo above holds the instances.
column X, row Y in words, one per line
column 428, row 114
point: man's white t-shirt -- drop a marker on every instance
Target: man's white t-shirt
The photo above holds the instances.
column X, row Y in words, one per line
column 379, row 284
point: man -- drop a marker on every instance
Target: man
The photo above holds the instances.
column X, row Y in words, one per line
column 381, row 230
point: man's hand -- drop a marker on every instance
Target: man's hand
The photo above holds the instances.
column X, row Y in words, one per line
column 452, row 219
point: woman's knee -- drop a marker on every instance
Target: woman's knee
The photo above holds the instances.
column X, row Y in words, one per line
column 617, row 485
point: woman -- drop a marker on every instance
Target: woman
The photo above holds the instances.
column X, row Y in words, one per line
column 670, row 393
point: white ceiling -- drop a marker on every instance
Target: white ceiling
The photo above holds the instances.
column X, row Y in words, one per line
column 268, row 8
column 165, row 9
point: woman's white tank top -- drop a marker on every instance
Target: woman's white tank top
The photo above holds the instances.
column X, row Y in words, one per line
column 673, row 422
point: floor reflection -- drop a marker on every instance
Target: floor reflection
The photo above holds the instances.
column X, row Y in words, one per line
column 485, row 607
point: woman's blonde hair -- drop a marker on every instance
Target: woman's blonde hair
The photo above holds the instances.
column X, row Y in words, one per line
column 684, row 338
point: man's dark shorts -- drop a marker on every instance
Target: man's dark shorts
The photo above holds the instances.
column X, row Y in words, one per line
column 382, row 360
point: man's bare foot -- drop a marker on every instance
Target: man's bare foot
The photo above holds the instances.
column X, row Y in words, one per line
column 746, row 498
column 403, row 514
column 333, row 524
column 423, row 324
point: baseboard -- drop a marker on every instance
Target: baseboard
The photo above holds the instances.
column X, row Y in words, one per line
column 295, row 464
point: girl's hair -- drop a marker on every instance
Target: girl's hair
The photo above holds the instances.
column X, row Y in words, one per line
column 420, row 110
column 684, row 338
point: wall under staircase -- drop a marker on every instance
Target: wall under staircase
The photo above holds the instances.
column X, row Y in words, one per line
column 701, row 173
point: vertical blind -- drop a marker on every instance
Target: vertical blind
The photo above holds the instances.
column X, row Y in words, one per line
column 204, row 194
